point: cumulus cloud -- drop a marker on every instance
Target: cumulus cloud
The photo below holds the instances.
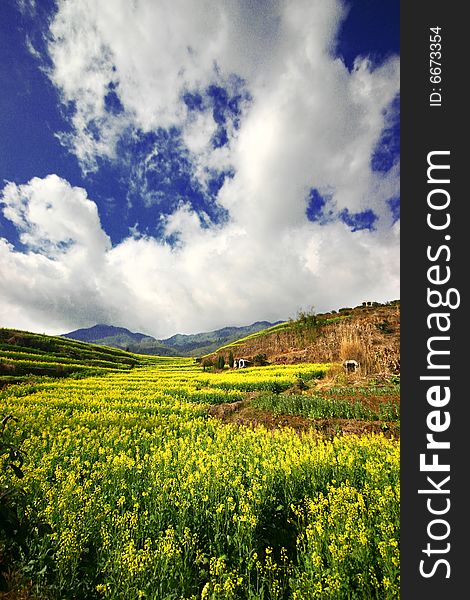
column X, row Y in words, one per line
column 49, row 213
column 299, row 120
column 69, row 275
column 59, row 275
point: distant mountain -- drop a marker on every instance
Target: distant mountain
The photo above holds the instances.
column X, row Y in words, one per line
column 120, row 337
column 199, row 344
column 99, row 332
column 177, row 345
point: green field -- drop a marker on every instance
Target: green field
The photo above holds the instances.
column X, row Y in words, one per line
column 24, row 355
column 336, row 403
column 147, row 496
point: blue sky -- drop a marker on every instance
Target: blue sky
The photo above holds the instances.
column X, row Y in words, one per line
column 175, row 167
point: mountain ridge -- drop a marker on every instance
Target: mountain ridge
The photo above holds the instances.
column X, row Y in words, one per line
column 176, row 345
column 101, row 330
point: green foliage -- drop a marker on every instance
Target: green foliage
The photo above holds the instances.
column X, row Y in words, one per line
column 260, row 360
column 275, row 386
column 306, row 319
column 220, row 362
column 301, row 384
column 207, row 363
column 231, row 360
column 24, row 355
column 306, row 325
column 18, row 521
column 385, row 327
column 326, row 406
column 337, row 557
column 150, row 497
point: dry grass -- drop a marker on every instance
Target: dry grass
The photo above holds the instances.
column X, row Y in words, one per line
column 372, row 337
column 352, row 347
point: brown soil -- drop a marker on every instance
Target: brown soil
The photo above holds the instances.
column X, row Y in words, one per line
column 17, row 591
column 353, row 381
column 15, row 595
column 241, row 413
column 370, row 335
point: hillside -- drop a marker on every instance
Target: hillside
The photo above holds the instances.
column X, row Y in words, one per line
column 368, row 334
column 100, row 332
column 24, row 354
column 203, row 343
column 120, row 337
column 176, row 345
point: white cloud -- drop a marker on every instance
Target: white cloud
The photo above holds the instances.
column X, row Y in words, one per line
column 61, row 274
column 216, row 277
column 49, row 213
column 311, row 124
column 308, row 110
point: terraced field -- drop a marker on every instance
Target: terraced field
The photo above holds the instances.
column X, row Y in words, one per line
column 149, row 496
column 25, row 355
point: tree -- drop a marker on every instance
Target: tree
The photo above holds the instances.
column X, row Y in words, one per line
column 231, row 360
column 207, row 363
column 260, row 360
column 220, row 362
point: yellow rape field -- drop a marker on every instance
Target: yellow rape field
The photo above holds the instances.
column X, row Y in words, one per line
column 150, row 497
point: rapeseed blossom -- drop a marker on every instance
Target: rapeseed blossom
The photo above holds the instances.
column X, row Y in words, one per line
column 149, row 497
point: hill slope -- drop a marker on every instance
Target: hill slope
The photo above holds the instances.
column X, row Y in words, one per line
column 203, row 343
column 120, row 337
column 367, row 334
column 23, row 354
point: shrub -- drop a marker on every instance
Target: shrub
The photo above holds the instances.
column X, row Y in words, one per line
column 260, row 360
column 17, row 519
column 306, row 324
column 307, row 318
column 385, row 327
